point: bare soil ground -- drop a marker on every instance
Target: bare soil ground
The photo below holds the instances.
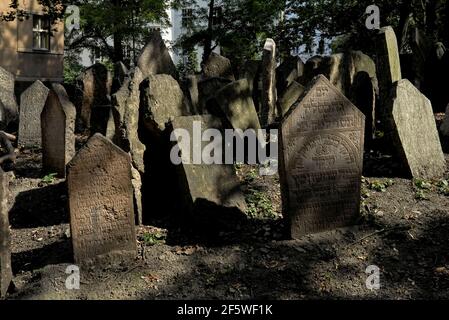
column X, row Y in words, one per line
column 403, row 229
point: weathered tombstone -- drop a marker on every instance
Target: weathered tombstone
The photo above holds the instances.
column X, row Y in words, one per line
column 388, row 62
column 269, row 95
column 9, row 109
column 5, row 237
column 321, row 160
column 290, row 70
column 412, row 129
column 58, row 131
column 162, row 100
column 290, row 96
column 101, row 203
column 445, row 125
column 204, row 184
column 207, row 89
column 234, row 101
column 251, row 73
column 125, row 107
column 96, row 87
column 155, row 58
column 217, row 66
column 32, row 102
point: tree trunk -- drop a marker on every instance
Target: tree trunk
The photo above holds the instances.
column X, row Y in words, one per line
column 209, row 33
column 118, row 38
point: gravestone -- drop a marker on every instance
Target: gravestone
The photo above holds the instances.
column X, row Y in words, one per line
column 125, row 108
column 101, row 203
column 213, row 184
column 234, row 101
column 58, row 131
column 162, row 100
column 445, row 125
column 290, row 70
column 290, row 96
column 9, row 109
column 207, row 89
column 32, row 102
column 96, row 88
column 217, row 66
column 6, row 80
column 269, row 95
column 321, row 160
column 412, row 129
column 155, row 58
column 5, row 237
column 388, row 62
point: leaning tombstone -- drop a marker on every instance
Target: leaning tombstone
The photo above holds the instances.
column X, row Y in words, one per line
column 234, row 103
column 289, row 71
column 321, row 143
column 204, row 183
column 207, row 89
column 32, row 102
column 388, row 62
column 101, row 204
column 120, row 74
column 5, row 237
column 269, row 95
column 412, row 129
column 290, row 96
column 58, row 131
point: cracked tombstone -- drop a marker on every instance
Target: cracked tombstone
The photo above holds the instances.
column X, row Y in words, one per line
column 32, row 102
column 5, row 237
column 413, row 131
column 321, row 163
column 58, row 131
column 269, row 92
column 101, row 204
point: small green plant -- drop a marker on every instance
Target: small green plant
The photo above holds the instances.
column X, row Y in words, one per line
column 380, row 186
column 252, row 175
column 50, row 178
column 379, row 134
column 152, row 239
column 443, row 187
column 421, row 195
column 259, row 205
column 422, row 184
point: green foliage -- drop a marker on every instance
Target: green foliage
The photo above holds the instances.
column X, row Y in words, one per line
column 380, row 186
column 49, row 179
column 421, row 195
column 152, row 239
column 259, row 205
column 72, row 69
column 421, row 184
column 190, row 66
column 443, row 187
column 251, row 176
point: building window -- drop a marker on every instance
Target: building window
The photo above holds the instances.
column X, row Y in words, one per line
column 187, row 17
column 41, row 33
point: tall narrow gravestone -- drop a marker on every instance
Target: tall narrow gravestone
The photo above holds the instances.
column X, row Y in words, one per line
column 321, row 160
column 101, row 203
column 5, row 237
column 58, row 131
column 32, row 102
column 388, row 62
column 412, row 128
column 269, row 92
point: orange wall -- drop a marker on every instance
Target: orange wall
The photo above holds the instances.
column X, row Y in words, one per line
column 16, row 47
